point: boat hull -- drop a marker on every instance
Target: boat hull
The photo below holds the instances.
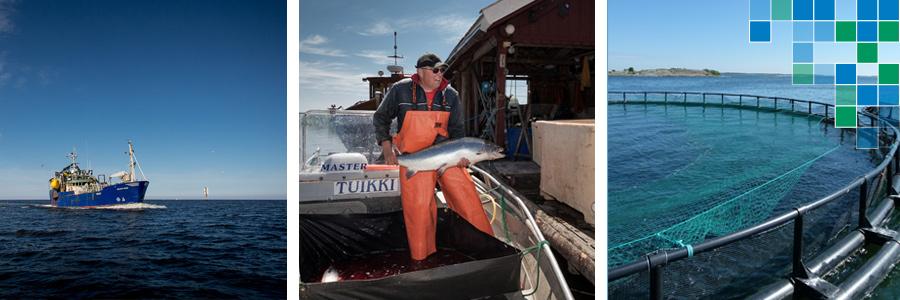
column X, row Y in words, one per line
column 120, row 193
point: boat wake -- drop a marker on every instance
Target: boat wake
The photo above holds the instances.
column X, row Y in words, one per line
column 129, row 206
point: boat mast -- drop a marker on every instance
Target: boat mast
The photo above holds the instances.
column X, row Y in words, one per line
column 73, row 155
column 395, row 57
column 131, row 160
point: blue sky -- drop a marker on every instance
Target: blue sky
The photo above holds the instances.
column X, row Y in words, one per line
column 694, row 34
column 198, row 85
column 343, row 41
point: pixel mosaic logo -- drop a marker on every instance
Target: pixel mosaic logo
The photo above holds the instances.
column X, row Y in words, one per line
column 860, row 29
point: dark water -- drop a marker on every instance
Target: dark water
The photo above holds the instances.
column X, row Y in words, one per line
column 162, row 249
column 648, row 145
column 389, row 263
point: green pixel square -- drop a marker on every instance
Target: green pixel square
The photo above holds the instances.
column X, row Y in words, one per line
column 803, row 74
column 781, row 9
column 845, row 32
column 888, row 31
column 867, row 53
column 888, row 74
column 845, row 116
column 845, row 95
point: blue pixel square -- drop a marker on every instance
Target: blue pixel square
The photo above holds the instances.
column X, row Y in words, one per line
column 845, row 10
column 803, row 9
column 867, row 138
column 888, row 115
column 867, row 31
column 846, row 73
column 865, row 9
column 824, row 31
column 803, row 32
column 887, row 10
column 889, row 95
column 823, row 74
column 759, row 10
column 825, row 9
column 760, row 31
column 866, row 95
column 803, row 52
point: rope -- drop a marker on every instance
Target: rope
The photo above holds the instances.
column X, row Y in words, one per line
column 537, row 260
column 493, row 203
column 690, row 249
column 535, row 247
column 493, row 207
column 139, row 167
column 503, row 217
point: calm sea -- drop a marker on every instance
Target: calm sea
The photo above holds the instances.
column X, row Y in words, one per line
column 159, row 249
column 755, row 84
column 679, row 153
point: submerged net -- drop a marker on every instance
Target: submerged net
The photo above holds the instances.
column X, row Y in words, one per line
column 726, row 174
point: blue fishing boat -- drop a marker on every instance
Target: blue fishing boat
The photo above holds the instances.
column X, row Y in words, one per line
column 76, row 187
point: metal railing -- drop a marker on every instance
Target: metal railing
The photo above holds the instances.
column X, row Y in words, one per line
column 871, row 181
column 488, row 182
column 742, row 100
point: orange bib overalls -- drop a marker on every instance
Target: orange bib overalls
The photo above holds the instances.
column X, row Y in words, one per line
column 419, row 130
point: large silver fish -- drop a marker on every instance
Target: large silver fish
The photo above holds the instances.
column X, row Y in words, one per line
column 448, row 154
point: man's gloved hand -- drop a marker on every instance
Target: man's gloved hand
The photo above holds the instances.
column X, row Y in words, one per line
column 463, row 163
column 387, row 149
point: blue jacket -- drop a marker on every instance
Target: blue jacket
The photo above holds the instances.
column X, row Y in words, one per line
column 398, row 101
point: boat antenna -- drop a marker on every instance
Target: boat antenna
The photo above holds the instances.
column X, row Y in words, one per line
column 395, row 57
column 130, row 162
column 334, row 108
column 73, row 155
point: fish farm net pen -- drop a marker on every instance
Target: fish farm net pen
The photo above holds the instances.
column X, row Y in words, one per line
column 750, row 207
column 711, row 204
column 729, row 259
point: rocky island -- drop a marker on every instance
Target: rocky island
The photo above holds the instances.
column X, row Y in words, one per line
column 663, row 72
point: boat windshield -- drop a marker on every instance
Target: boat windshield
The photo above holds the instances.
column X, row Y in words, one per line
column 324, row 132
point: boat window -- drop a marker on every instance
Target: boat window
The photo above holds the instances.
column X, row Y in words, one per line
column 323, row 133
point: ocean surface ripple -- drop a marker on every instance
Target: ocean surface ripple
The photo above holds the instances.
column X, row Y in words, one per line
column 159, row 249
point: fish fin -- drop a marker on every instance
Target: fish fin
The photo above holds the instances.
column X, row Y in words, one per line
column 331, row 275
column 440, row 171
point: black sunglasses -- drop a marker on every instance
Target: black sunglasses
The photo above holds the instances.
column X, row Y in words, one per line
column 435, row 71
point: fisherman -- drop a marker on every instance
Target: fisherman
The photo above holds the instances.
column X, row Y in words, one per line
column 428, row 112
